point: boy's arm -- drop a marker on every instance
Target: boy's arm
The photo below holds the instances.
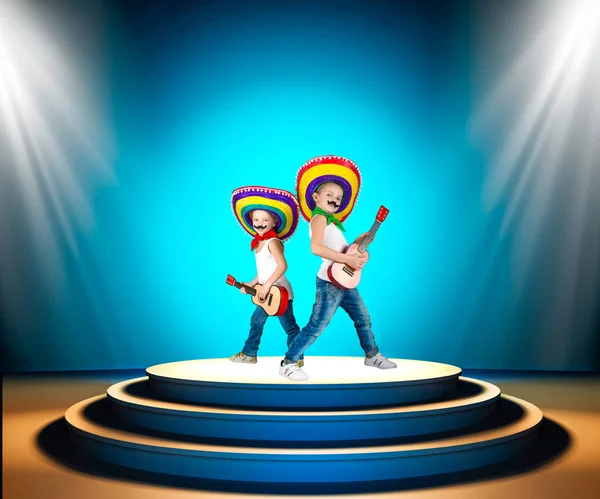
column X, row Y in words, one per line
column 276, row 249
column 250, row 284
column 360, row 237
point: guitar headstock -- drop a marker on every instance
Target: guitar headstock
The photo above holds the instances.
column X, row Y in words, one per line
column 382, row 213
column 230, row 280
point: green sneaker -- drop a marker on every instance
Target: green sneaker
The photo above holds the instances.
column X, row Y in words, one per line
column 242, row 358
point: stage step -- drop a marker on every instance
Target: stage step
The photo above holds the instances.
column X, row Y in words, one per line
column 136, row 404
column 335, row 383
column 94, row 427
column 349, row 423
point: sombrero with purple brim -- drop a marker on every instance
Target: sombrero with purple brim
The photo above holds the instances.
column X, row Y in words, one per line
column 321, row 169
column 281, row 204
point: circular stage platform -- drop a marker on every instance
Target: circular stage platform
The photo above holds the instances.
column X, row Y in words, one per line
column 334, row 382
column 134, row 402
column 212, row 419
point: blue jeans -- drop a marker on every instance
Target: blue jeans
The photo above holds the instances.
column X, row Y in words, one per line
column 257, row 324
column 329, row 298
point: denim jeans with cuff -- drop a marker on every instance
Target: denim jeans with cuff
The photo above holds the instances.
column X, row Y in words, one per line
column 329, row 298
column 257, row 324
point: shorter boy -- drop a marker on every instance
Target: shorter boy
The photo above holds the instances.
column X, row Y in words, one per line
column 270, row 216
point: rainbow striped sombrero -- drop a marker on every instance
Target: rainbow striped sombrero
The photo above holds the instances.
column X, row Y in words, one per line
column 325, row 169
column 282, row 204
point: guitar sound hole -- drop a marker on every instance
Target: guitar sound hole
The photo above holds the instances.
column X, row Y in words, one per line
column 270, row 299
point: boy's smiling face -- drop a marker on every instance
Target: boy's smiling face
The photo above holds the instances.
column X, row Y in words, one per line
column 262, row 221
column 328, row 197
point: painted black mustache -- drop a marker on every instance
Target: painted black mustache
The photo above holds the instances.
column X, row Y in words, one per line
column 333, row 203
column 260, row 227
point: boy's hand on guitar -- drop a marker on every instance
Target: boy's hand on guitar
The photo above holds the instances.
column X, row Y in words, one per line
column 264, row 292
column 356, row 261
column 366, row 236
column 345, row 272
column 242, row 290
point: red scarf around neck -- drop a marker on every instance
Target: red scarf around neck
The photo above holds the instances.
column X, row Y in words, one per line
column 258, row 238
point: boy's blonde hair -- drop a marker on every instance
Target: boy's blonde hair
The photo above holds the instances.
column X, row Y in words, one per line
column 321, row 186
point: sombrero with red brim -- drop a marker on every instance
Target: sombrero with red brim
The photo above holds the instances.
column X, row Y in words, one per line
column 280, row 203
column 321, row 169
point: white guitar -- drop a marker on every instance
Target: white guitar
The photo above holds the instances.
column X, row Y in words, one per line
column 344, row 276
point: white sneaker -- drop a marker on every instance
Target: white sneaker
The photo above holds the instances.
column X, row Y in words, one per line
column 242, row 358
column 379, row 361
column 293, row 372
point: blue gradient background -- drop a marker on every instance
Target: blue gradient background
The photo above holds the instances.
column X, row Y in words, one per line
column 208, row 97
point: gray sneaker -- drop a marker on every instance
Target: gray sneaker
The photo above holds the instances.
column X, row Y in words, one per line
column 242, row 358
column 379, row 361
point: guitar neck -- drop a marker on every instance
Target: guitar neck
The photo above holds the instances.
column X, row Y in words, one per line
column 369, row 237
column 248, row 289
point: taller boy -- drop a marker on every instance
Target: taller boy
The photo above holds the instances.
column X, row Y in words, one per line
column 326, row 185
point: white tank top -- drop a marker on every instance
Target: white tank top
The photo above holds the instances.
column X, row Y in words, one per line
column 334, row 239
column 266, row 265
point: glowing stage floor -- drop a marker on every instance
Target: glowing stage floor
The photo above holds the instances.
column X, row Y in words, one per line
column 348, row 423
column 321, row 370
column 334, row 382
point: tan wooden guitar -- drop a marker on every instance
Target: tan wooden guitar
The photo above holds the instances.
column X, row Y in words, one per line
column 275, row 303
